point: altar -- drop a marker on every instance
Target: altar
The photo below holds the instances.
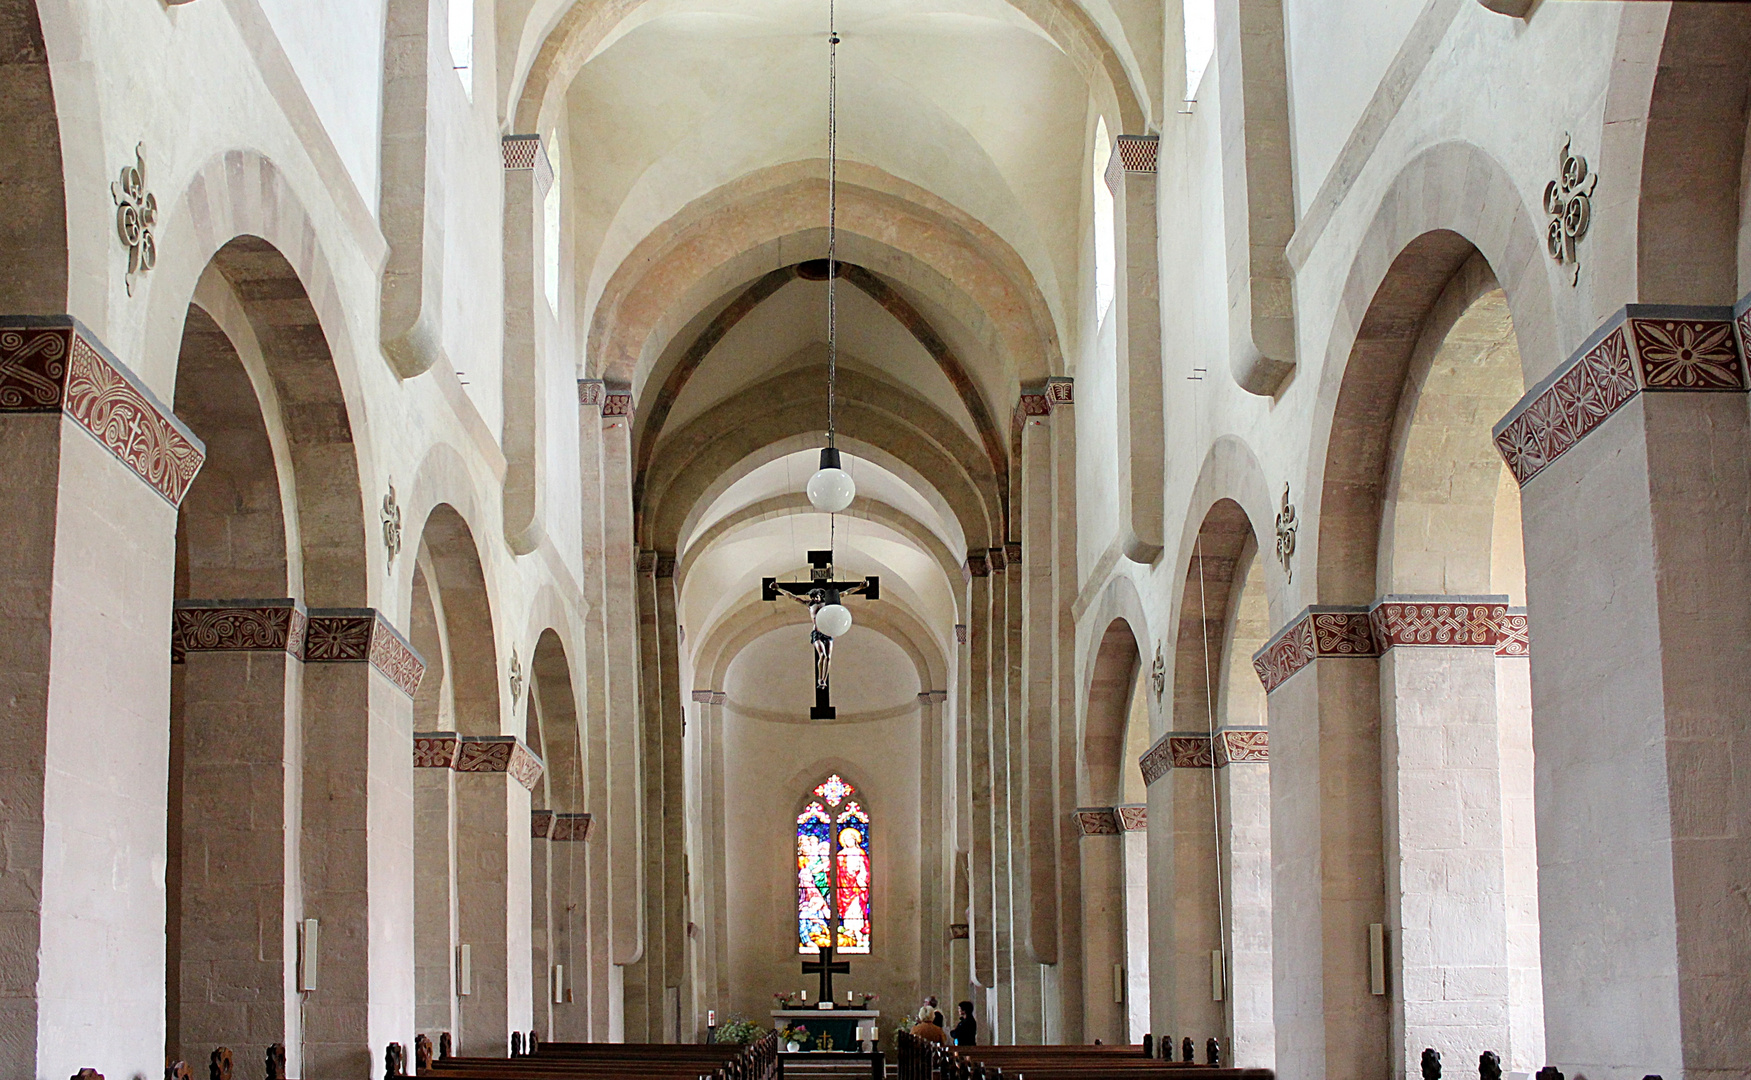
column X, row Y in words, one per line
column 839, row 1024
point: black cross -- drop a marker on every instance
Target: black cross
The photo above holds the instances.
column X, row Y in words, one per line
column 826, row 967
column 821, row 588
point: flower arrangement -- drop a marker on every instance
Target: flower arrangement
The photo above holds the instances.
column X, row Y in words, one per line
column 794, row 1033
column 790, row 1000
column 867, row 998
column 739, row 1032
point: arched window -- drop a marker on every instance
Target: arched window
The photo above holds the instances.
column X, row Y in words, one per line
column 550, row 232
column 1105, row 272
column 462, row 43
column 833, row 871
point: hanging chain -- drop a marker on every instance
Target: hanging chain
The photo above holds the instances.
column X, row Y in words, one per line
column 832, row 216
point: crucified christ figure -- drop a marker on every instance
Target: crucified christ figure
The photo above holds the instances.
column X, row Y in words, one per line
column 819, row 642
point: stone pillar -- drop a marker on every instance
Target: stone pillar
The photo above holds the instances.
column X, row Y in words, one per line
column 978, row 795
column 541, row 923
column 1103, row 923
column 677, row 1013
column 1134, row 824
column 84, row 637
column 1525, row 1049
column 568, row 854
column 528, row 176
column 611, row 694
column 713, row 989
column 360, row 675
column 1243, row 779
column 1038, row 810
column 1065, row 1023
column 1142, row 435
column 495, row 774
column 935, row 878
column 234, row 869
column 434, row 866
column 1635, row 489
column 1184, row 927
column 1002, row 1022
column 1327, row 875
column 1447, row 914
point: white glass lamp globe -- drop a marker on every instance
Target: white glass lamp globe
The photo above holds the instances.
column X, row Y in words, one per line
column 833, row 620
column 831, row 489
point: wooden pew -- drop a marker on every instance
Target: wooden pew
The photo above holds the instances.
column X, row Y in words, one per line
column 600, row 1061
column 924, row 1060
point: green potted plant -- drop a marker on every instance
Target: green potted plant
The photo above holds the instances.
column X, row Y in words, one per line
column 739, row 1032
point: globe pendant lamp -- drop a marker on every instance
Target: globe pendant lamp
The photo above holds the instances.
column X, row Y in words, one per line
column 834, row 618
column 831, row 489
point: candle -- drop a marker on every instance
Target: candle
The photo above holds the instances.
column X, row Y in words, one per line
column 805, row 997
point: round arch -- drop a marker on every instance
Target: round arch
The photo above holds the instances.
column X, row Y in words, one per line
column 905, row 435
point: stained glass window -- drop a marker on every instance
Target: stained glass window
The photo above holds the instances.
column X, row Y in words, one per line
column 833, row 871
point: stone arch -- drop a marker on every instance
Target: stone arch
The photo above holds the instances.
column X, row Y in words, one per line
column 939, row 244
column 704, row 457
column 228, row 855
column 558, row 870
column 797, row 503
column 654, row 413
column 570, row 36
column 446, row 539
column 1428, row 223
column 34, row 280
column 1117, row 672
column 1692, row 245
column 238, row 217
column 1416, row 507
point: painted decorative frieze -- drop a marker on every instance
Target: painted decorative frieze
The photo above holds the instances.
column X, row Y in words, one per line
column 959, row 931
column 499, row 754
column 435, row 749
column 1242, row 745
column 1643, row 348
column 540, row 824
column 1134, row 818
column 1196, row 750
column 1516, row 640
column 1315, row 633
column 237, row 626
column 570, row 828
column 932, row 697
column 1061, row 390
column 1034, row 402
column 1096, row 821
column 525, row 153
column 616, row 400
column 1156, row 761
column 1454, row 621
column 1190, row 751
column 1137, row 153
column 394, row 658
column 54, row 364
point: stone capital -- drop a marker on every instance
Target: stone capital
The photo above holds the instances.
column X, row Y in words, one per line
column 54, row 364
column 1643, row 348
column 1096, row 821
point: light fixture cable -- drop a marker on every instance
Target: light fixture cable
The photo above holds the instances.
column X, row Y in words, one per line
column 832, row 215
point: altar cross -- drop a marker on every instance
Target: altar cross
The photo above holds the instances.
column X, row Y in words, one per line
column 826, row 967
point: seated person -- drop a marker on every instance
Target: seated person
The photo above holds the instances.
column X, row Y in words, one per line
column 931, row 1029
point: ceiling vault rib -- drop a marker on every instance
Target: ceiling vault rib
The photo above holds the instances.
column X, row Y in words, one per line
column 889, row 300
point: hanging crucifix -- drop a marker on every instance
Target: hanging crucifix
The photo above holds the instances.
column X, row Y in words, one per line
column 826, row 967
column 816, row 593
